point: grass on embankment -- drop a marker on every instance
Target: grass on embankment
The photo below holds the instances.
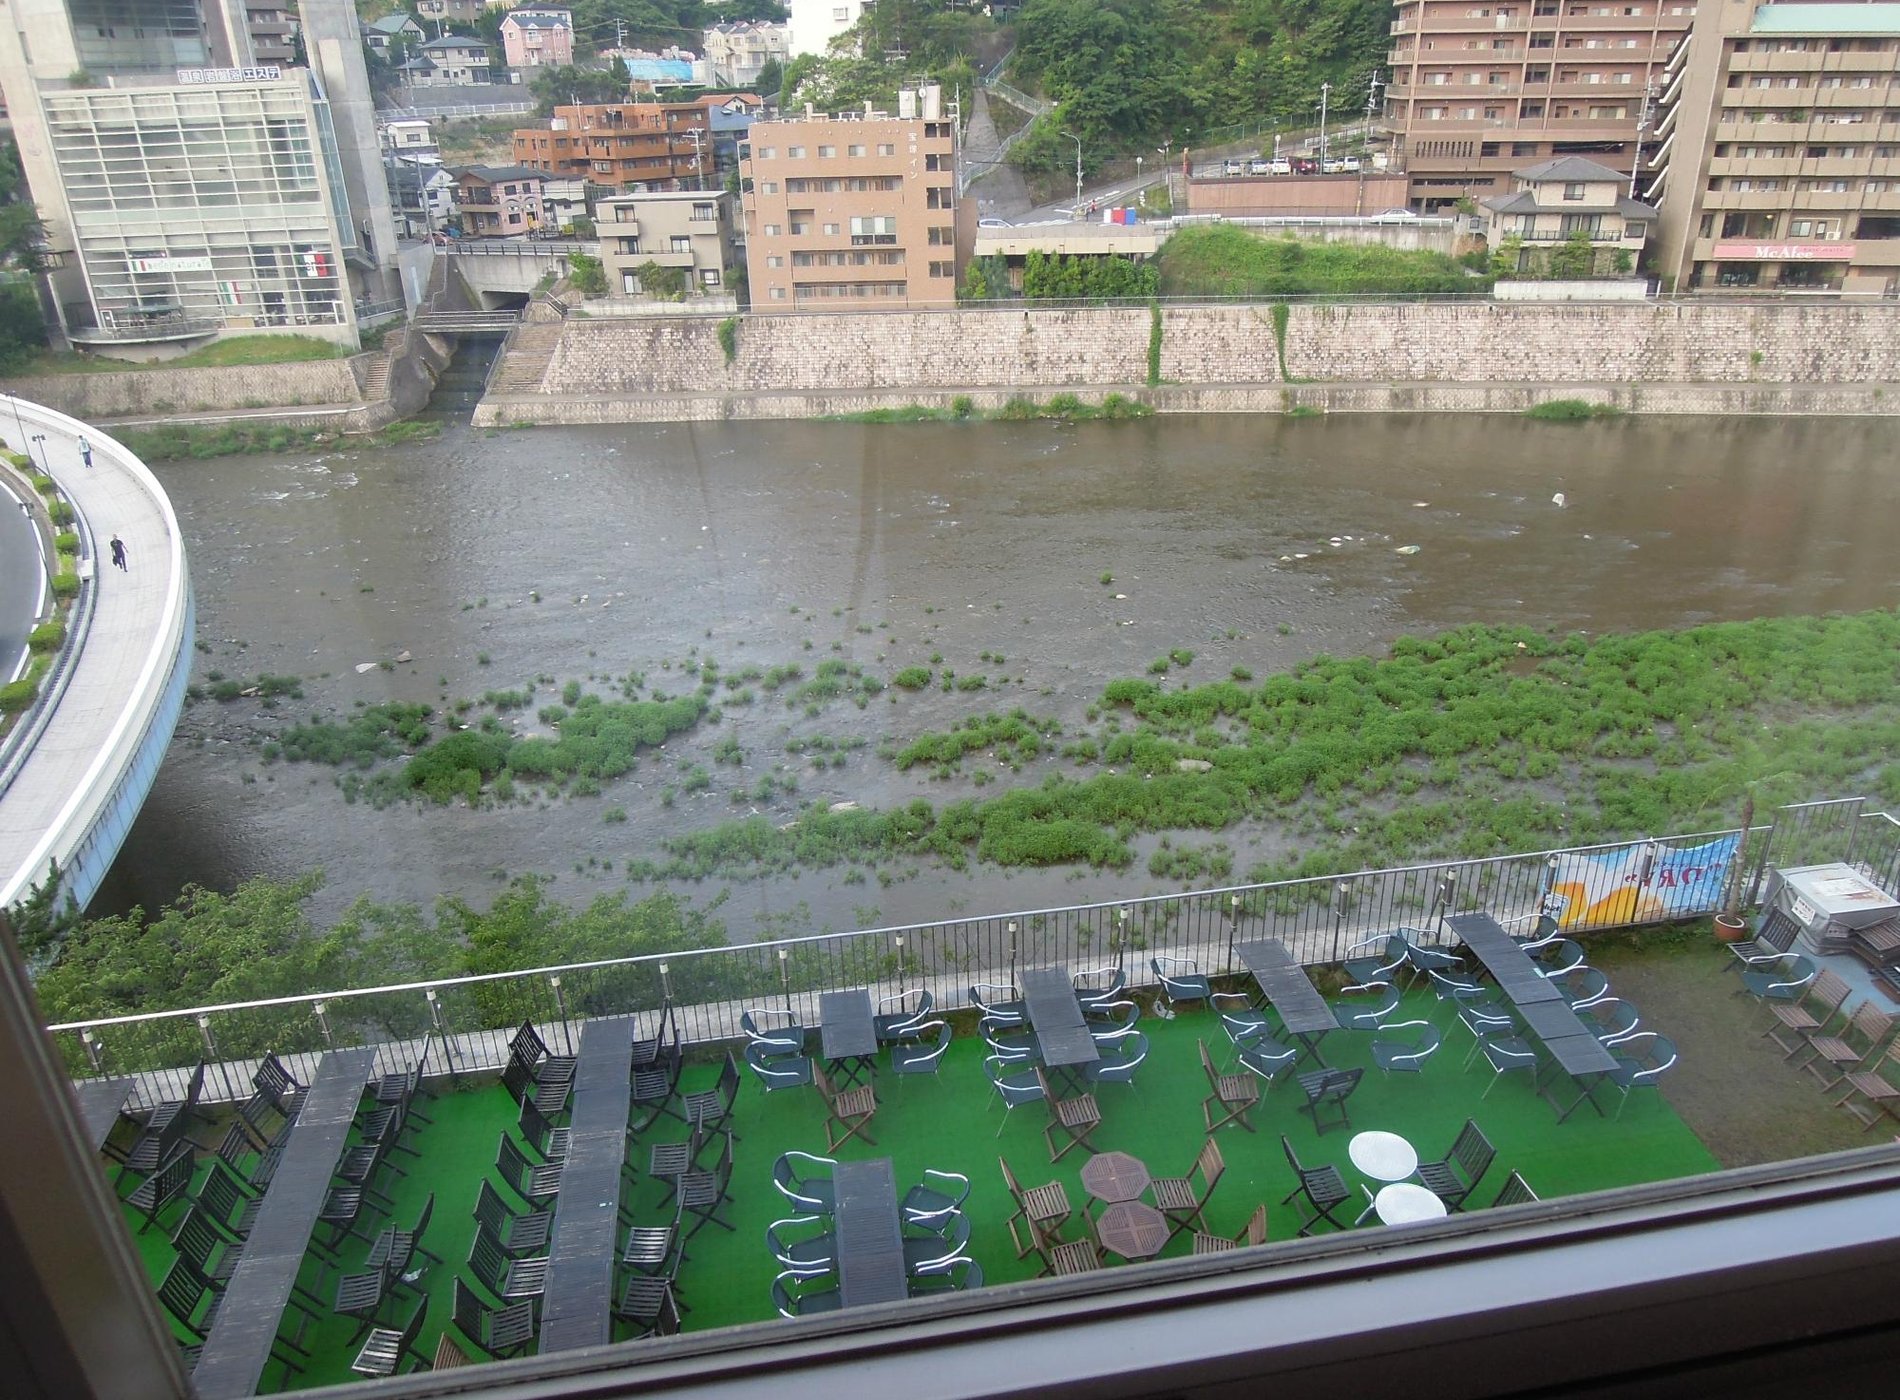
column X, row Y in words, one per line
column 237, row 350
column 1222, row 260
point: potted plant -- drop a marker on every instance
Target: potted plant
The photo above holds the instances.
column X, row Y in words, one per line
column 1729, row 925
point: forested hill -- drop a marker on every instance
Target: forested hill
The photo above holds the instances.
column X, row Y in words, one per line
column 1131, row 73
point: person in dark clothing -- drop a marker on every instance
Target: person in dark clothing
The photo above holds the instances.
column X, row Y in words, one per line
column 85, row 451
column 118, row 552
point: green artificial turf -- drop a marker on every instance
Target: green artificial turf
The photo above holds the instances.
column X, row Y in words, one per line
column 944, row 1122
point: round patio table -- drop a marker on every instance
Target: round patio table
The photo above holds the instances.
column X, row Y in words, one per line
column 1383, row 1156
column 1115, row 1176
column 1133, row 1229
column 1405, row 1202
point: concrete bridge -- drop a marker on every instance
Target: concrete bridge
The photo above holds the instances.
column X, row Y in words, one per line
column 79, row 764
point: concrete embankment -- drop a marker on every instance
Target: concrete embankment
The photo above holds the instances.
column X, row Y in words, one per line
column 358, row 394
column 1663, row 357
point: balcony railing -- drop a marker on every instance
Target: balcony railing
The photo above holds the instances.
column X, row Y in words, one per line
column 465, row 1023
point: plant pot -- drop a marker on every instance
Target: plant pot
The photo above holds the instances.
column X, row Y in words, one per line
column 1730, row 928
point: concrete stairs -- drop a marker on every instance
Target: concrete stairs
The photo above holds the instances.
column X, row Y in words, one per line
column 525, row 356
column 376, row 378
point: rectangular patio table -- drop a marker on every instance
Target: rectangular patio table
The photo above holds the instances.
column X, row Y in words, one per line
column 102, row 1108
column 847, row 1032
column 1504, row 958
column 1586, row 1060
column 239, row 1345
column 577, row 1301
column 870, row 1234
column 1306, row 1014
column 1055, row 1014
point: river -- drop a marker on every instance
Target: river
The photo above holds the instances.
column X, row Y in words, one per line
column 496, row 558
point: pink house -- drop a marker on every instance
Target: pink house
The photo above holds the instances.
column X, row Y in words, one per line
column 538, row 38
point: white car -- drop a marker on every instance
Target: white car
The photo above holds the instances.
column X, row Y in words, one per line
column 1259, row 165
column 994, row 223
column 1279, row 165
column 1340, row 165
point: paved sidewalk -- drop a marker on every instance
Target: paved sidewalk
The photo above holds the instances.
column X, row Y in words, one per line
column 127, row 654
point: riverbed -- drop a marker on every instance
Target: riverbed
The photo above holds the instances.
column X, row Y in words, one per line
column 1046, row 558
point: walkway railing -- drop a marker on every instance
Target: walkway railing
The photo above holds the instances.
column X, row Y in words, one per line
column 463, row 1024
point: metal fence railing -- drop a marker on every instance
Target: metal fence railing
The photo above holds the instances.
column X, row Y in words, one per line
column 463, row 1024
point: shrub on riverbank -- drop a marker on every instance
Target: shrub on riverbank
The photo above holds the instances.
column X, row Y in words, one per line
column 1221, row 260
column 1571, row 411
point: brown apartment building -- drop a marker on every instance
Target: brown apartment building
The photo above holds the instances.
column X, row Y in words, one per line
column 629, row 145
column 1481, row 89
column 1779, row 162
column 857, row 211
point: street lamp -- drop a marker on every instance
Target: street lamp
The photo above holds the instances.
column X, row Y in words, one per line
column 45, row 465
column 1078, row 171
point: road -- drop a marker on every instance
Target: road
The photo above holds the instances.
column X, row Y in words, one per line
column 22, row 582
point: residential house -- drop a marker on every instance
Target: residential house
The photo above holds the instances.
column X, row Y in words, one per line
column 1780, row 165
column 736, row 52
column 410, row 136
column 454, row 60
column 378, row 34
column 421, row 195
column 498, row 201
column 565, row 198
column 691, row 230
column 856, row 212
column 538, row 38
column 1557, row 200
column 445, row 12
column 1478, row 90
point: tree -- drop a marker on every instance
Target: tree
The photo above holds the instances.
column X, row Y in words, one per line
column 587, row 274
column 551, row 87
column 22, row 329
column 771, row 78
column 1575, row 257
column 985, row 279
column 662, row 283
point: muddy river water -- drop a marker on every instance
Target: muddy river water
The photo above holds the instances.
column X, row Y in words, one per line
column 494, row 559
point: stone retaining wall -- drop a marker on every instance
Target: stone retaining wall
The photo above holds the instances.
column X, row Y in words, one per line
column 1663, row 357
column 225, row 387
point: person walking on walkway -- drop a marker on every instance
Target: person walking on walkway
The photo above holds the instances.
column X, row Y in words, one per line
column 85, row 451
column 118, row 553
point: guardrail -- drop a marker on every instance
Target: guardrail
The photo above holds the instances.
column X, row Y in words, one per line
column 519, row 248
column 1319, row 919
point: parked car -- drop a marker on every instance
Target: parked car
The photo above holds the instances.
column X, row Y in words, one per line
column 994, row 223
column 1279, row 165
column 1302, row 165
column 1259, row 165
column 1341, row 165
column 1234, row 167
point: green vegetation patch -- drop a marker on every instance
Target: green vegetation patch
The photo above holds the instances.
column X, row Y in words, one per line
column 1221, row 260
column 1571, row 411
column 1475, row 742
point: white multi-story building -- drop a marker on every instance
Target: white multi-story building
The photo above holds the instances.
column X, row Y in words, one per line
column 815, row 23
column 189, row 192
column 739, row 51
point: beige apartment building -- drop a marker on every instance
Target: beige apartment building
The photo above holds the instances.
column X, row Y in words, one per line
column 691, row 230
column 1481, row 89
column 1780, row 158
column 857, row 211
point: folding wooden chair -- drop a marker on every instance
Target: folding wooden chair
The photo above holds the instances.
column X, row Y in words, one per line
column 1077, row 1115
column 1235, row 1093
column 1043, row 1211
column 1178, row 1198
column 850, row 1110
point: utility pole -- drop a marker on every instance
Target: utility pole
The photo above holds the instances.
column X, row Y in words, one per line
column 1642, row 125
column 620, row 34
column 1325, row 92
column 1078, row 171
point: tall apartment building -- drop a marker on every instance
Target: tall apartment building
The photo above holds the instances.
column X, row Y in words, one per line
column 188, row 191
column 1479, row 90
column 272, row 25
column 629, row 145
column 1780, row 156
column 815, row 23
column 857, row 211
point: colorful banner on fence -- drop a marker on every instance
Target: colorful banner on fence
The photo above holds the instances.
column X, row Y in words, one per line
column 1604, row 889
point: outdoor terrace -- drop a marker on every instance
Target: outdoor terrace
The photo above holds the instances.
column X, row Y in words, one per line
column 1731, row 1100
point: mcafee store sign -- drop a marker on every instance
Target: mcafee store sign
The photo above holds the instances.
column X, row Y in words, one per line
column 1784, row 252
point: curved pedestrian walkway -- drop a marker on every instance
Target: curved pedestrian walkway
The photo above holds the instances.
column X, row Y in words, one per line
column 81, row 763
